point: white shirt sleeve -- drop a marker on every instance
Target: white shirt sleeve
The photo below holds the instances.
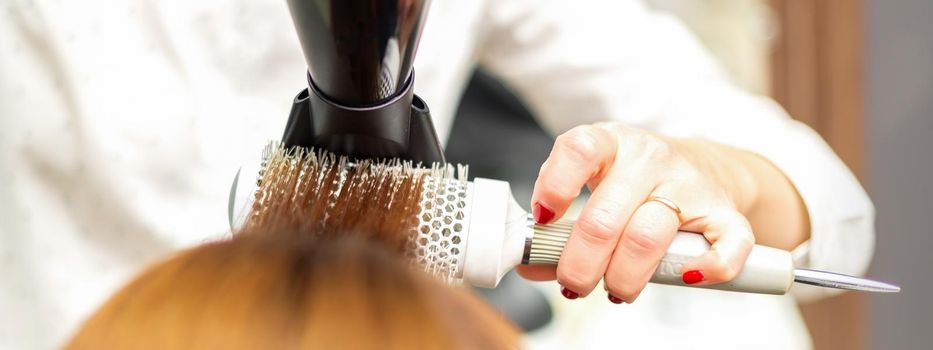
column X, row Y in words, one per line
column 578, row 62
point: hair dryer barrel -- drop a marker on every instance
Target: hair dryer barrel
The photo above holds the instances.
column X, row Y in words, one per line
column 359, row 52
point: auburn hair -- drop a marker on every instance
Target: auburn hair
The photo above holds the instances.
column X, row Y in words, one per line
column 310, row 270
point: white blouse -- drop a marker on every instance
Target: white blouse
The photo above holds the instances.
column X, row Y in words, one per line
column 122, row 124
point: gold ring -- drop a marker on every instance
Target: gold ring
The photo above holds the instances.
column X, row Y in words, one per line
column 667, row 202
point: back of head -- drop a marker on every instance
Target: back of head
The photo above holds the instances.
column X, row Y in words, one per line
column 280, row 292
column 301, row 275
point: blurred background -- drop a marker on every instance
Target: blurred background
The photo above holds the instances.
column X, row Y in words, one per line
column 858, row 72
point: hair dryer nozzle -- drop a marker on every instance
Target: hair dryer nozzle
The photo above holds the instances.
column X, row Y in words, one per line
column 359, row 52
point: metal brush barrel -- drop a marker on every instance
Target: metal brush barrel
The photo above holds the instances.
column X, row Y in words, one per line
column 439, row 241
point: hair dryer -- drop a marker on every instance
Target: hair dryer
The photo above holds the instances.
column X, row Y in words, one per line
column 359, row 101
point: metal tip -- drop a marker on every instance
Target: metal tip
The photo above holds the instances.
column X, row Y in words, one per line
column 231, row 201
column 840, row 281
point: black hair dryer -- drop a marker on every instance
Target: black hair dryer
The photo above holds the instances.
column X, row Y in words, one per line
column 359, row 101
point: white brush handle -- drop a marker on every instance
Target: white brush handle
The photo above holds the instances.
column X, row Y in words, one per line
column 767, row 270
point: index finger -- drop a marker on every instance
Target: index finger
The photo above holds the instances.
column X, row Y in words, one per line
column 578, row 156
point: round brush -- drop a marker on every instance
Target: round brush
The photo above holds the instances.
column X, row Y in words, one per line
column 475, row 231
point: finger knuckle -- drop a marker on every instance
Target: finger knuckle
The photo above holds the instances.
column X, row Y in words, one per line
column 581, row 143
column 740, row 228
column 650, row 223
column 746, row 228
column 640, row 240
column 597, row 229
column 658, row 147
column 611, row 125
column 689, row 175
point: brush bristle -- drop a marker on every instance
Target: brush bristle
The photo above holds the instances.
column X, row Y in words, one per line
column 317, row 193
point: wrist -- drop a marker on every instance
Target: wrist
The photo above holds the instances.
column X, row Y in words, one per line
column 758, row 188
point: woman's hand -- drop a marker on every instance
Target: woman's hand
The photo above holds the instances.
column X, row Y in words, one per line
column 622, row 233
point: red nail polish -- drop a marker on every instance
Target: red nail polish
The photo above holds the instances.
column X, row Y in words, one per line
column 542, row 214
column 569, row 294
column 614, row 300
column 692, row 276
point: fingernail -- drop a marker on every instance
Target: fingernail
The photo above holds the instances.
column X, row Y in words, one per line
column 542, row 214
column 692, row 276
column 569, row 294
column 614, row 300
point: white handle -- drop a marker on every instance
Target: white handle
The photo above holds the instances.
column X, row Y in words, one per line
column 767, row 270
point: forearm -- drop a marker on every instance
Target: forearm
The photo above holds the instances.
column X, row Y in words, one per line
column 759, row 190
